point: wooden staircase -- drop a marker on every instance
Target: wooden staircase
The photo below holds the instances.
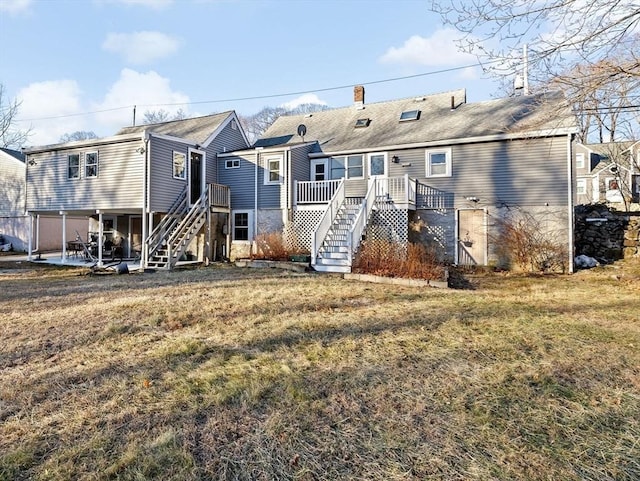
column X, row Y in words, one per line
column 171, row 237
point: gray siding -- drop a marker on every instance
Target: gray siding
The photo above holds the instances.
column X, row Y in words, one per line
column 229, row 139
column 119, row 184
column 269, row 196
column 240, row 180
column 164, row 188
column 12, row 186
column 518, row 172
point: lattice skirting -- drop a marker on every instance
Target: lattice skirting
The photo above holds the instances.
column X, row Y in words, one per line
column 298, row 232
column 391, row 225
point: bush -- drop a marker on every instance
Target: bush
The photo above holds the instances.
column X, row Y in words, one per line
column 273, row 246
column 383, row 258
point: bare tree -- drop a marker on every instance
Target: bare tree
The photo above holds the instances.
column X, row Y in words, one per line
column 255, row 125
column 161, row 115
column 78, row 135
column 9, row 135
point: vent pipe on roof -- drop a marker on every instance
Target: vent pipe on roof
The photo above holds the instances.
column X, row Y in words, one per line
column 453, row 103
column 358, row 96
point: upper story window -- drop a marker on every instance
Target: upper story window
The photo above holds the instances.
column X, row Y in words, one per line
column 348, row 166
column 179, row 165
column 408, row 115
column 579, row 160
column 232, row 164
column 273, row 171
column 438, row 162
column 73, row 171
column 91, row 164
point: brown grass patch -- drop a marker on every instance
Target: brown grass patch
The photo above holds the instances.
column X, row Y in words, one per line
column 223, row 373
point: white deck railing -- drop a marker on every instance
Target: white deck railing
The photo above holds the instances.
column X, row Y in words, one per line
column 401, row 190
column 326, row 221
column 362, row 217
column 219, row 195
column 316, row 192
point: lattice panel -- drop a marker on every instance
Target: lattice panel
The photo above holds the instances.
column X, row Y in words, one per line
column 298, row 232
column 390, row 225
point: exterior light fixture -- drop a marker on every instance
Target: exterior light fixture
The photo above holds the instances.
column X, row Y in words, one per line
column 395, row 159
column 473, row 199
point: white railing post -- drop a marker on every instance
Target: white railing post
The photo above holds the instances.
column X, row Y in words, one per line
column 295, row 192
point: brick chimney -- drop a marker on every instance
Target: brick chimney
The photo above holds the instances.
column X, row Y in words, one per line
column 358, row 96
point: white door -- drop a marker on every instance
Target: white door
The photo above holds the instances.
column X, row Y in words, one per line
column 472, row 237
column 378, row 169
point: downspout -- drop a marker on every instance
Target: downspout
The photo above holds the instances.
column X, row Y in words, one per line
column 289, row 186
column 570, row 200
column 255, row 201
column 146, row 207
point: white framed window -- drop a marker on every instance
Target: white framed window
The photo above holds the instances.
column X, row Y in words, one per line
column 232, row 164
column 73, row 169
column 347, row 166
column 241, row 225
column 581, row 186
column 273, row 169
column 579, row 160
column 91, row 164
column 179, row 165
column 438, row 162
column 612, row 183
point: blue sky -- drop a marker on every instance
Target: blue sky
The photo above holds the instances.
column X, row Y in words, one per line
column 98, row 58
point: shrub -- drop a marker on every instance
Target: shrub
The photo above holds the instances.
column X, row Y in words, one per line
column 274, row 246
column 391, row 259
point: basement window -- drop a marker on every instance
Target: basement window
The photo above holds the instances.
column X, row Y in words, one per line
column 362, row 123
column 409, row 115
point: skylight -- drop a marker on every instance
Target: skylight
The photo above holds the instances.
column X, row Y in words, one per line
column 362, row 123
column 408, row 115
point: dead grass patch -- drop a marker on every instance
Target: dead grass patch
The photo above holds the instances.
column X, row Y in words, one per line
column 224, row 373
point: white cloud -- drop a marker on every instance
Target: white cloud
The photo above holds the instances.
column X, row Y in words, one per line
column 147, row 91
column 141, row 47
column 303, row 99
column 55, row 98
column 438, row 50
column 14, row 6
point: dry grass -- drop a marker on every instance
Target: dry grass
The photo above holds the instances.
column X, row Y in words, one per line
column 412, row 261
column 222, row 373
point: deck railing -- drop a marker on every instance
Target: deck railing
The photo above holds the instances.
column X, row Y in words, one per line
column 219, row 195
column 401, row 190
column 326, row 221
column 362, row 217
column 316, row 192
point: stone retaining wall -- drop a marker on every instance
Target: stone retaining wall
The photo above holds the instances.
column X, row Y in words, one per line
column 606, row 234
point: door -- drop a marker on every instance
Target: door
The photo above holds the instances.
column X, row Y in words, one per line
column 378, row 169
column 472, row 237
column 135, row 236
column 196, row 175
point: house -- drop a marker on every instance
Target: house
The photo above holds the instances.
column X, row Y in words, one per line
column 149, row 191
column 432, row 169
column 608, row 173
column 15, row 224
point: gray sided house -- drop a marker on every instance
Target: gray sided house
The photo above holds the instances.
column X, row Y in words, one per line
column 433, row 169
column 608, row 173
column 16, row 227
column 150, row 192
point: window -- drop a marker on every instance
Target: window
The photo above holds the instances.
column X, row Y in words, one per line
column 91, row 164
column 438, row 163
column 377, row 165
column 409, row 115
column 349, row 166
column 273, row 174
column 241, row 226
column 232, row 164
column 74, row 166
column 612, row 184
column 319, row 169
column 579, row 160
column 179, row 165
column 581, row 186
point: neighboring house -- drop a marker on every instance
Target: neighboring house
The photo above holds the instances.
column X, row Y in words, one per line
column 608, row 173
column 150, row 190
column 15, row 224
column 431, row 169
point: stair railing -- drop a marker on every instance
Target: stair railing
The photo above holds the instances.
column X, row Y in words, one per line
column 167, row 224
column 361, row 220
column 326, row 220
column 175, row 241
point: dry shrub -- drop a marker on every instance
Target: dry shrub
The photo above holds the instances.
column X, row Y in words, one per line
column 273, row 246
column 391, row 259
column 525, row 242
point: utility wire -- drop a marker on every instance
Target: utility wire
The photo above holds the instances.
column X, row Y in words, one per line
column 257, row 97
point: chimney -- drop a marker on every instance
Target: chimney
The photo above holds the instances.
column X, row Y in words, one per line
column 358, row 96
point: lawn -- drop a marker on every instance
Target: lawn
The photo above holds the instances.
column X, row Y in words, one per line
column 247, row 374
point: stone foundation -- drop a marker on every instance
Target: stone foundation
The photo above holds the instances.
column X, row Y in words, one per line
column 606, row 234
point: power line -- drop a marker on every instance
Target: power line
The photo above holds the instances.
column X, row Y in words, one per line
column 257, row 97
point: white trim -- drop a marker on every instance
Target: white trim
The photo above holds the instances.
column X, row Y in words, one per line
column 232, row 116
column 581, row 190
column 315, row 162
column 580, row 160
column 386, row 164
column 86, row 143
column 233, row 161
column 346, row 166
column 173, row 165
column 448, row 162
column 79, row 166
column 97, row 164
column 203, row 171
column 249, row 213
column 268, row 150
column 267, row 169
